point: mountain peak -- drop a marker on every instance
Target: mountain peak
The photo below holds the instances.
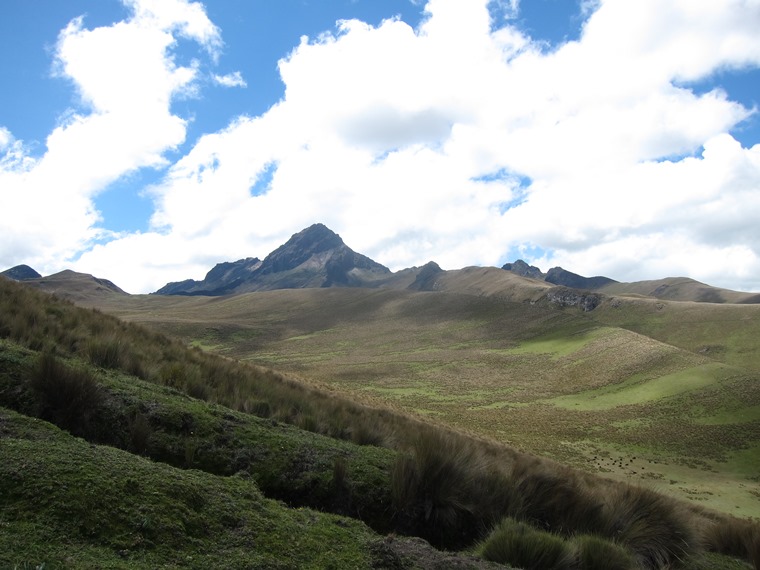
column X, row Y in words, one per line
column 315, row 239
column 313, row 257
column 21, row 273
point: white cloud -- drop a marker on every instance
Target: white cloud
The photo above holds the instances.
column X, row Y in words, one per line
column 5, row 138
column 126, row 77
column 234, row 79
column 412, row 144
column 187, row 17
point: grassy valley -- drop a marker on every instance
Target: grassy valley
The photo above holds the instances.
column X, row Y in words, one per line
column 124, row 448
column 673, row 385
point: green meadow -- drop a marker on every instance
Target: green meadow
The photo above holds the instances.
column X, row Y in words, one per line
column 673, row 384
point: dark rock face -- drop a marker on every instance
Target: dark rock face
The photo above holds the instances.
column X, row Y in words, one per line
column 425, row 280
column 300, row 248
column 314, row 257
column 521, row 268
column 21, row 273
column 223, row 277
column 566, row 297
column 559, row 276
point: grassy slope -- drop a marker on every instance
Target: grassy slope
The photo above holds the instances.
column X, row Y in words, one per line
column 679, row 289
column 452, row 484
column 69, row 504
column 197, row 494
column 634, row 379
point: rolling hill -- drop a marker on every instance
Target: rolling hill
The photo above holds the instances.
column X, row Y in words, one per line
column 573, row 374
column 121, row 447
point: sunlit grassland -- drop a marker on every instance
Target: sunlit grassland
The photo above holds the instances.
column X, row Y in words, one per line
column 673, row 384
column 724, row 332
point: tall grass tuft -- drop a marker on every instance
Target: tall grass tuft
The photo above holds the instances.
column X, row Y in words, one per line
column 521, row 545
column 106, row 352
column 435, row 488
column 596, row 553
column 734, row 537
column 553, row 497
column 67, row 396
column 656, row 528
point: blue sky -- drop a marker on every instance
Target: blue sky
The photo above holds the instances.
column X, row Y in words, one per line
column 146, row 141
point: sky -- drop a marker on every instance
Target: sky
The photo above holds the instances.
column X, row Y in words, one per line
column 144, row 141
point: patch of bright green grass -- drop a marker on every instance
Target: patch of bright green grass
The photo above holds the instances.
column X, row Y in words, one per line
column 634, row 391
column 558, row 346
column 745, row 462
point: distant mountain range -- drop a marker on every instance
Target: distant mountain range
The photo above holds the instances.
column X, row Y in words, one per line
column 318, row 257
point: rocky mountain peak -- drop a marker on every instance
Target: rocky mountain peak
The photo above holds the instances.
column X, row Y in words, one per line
column 313, row 257
column 21, row 273
column 301, row 246
column 521, row 268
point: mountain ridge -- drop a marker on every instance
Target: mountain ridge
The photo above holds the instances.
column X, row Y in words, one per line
column 318, row 257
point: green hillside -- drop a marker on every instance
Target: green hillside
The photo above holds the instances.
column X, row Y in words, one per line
column 674, row 385
column 169, row 456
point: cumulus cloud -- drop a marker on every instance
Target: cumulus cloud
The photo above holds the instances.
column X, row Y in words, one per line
column 465, row 142
column 126, row 78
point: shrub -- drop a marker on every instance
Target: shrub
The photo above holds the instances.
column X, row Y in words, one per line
column 68, row 397
column 523, row 546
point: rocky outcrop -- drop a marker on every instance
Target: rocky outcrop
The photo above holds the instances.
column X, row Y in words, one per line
column 522, row 269
column 222, row 278
column 567, row 297
column 426, row 277
column 559, row 276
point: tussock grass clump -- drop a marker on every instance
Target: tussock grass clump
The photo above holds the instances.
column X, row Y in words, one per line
column 734, row 537
column 553, row 497
column 446, row 489
column 596, row 553
column 106, row 352
column 67, row 396
column 656, row 528
column 520, row 544
column 431, row 487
